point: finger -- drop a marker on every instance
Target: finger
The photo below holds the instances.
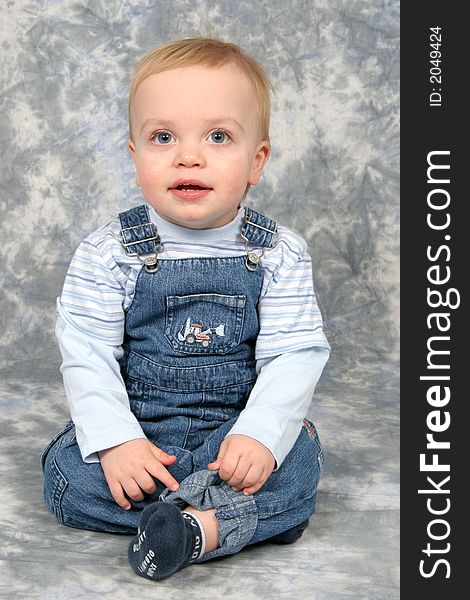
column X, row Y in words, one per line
column 118, row 494
column 251, row 491
column 146, row 482
column 251, row 477
column 215, row 464
column 159, row 472
column 228, row 467
column 164, row 457
column 237, row 478
column 239, row 473
column 133, row 490
column 220, row 455
column 252, row 488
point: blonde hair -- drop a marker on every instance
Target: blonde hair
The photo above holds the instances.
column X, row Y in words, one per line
column 209, row 52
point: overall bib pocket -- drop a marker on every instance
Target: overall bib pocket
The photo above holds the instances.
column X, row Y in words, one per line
column 201, row 324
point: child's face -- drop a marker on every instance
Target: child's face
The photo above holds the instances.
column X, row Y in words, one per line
column 196, row 125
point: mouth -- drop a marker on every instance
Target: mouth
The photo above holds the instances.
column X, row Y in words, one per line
column 189, row 186
column 189, row 189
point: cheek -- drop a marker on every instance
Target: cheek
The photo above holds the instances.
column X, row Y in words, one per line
column 234, row 182
column 237, row 171
column 148, row 172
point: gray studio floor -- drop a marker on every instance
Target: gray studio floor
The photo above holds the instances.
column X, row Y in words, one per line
column 349, row 551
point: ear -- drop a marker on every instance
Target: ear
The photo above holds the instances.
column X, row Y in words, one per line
column 260, row 159
column 131, row 148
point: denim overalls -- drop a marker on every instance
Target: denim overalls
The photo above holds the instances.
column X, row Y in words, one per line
column 189, row 368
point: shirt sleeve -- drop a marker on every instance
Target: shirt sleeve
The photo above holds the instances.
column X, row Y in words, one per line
column 95, row 391
column 89, row 330
column 95, row 289
column 290, row 318
column 280, row 399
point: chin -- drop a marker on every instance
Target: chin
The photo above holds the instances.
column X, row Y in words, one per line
column 194, row 217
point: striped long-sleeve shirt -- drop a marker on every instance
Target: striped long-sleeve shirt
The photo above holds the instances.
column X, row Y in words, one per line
column 98, row 289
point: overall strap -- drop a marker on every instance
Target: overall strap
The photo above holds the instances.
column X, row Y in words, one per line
column 259, row 231
column 139, row 236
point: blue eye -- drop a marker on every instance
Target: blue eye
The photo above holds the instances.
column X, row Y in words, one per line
column 219, row 137
column 162, row 137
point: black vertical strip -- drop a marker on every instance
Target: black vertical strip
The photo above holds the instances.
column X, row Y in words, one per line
column 434, row 258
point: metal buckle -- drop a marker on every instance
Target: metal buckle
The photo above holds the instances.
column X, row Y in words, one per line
column 154, row 238
column 150, row 259
column 259, row 226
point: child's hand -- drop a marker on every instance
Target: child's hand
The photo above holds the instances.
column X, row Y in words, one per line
column 243, row 463
column 130, row 468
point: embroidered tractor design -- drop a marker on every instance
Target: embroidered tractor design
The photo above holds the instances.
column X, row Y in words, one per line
column 193, row 333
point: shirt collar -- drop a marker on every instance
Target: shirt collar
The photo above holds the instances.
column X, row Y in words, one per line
column 170, row 230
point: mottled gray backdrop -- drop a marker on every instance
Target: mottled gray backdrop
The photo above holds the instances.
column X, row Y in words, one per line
column 332, row 176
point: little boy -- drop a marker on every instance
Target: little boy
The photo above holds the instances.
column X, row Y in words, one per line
column 190, row 334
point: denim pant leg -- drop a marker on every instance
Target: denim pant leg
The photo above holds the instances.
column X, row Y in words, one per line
column 289, row 495
column 287, row 498
column 78, row 495
column 236, row 514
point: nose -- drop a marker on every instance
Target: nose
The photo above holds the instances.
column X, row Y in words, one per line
column 189, row 155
